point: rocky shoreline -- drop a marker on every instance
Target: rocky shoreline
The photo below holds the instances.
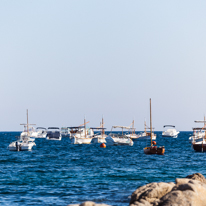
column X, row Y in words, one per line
column 189, row 191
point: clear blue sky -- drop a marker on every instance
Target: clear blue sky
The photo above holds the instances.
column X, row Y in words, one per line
column 66, row 59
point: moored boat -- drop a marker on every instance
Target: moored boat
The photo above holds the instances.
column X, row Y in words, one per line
column 24, row 142
column 53, row 133
column 119, row 139
column 153, row 149
column 81, row 134
column 170, row 132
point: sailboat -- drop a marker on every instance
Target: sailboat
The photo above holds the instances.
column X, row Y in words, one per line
column 81, row 134
column 24, row 142
column 132, row 135
column 146, row 135
column 153, row 149
column 99, row 138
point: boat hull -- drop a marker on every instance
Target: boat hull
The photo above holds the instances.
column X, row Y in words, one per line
column 199, row 147
column 77, row 140
column 154, row 150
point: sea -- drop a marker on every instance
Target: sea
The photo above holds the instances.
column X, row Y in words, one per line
column 59, row 173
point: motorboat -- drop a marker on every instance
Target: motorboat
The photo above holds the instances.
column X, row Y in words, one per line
column 65, row 132
column 153, row 149
column 114, row 139
column 24, row 142
column 81, row 134
column 53, row 133
column 170, row 132
column 146, row 135
column 40, row 132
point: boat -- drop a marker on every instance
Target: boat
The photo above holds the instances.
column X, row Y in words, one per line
column 81, row 134
column 146, row 135
column 65, row 132
column 198, row 135
column 199, row 143
column 41, row 132
column 198, row 132
column 132, row 133
column 170, row 132
column 53, row 133
column 119, row 139
column 99, row 138
column 153, row 149
column 24, row 142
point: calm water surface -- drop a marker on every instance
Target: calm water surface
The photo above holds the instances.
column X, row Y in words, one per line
column 58, row 173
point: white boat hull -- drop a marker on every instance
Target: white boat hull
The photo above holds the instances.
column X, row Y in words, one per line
column 79, row 140
column 118, row 141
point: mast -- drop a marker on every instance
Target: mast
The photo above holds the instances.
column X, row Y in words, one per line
column 27, row 122
column 85, row 126
column 150, row 122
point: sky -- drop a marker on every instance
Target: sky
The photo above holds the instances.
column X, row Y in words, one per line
column 69, row 60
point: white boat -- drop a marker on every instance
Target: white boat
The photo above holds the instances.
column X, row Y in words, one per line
column 170, row 132
column 53, row 133
column 99, row 138
column 65, row 132
column 81, row 134
column 39, row 133
column 146, row 135
column 132, row 133
column 198, row 132
column 24, row 142
column 119, row 139
column 198, row 135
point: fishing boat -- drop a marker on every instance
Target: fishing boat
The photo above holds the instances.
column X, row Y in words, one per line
column 81, row 134
column 24, row 142
column 170, row 132
column 132, row 133
column 146, row 135
column 99, row 138
column 198, row 133
column 41, row 132
column 199, row 144
column 153, row 149
column 53, row 133
column 114, row 139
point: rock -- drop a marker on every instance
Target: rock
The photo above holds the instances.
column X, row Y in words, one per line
column 150, row 193
column 189, row 191
column 89, row 203
column 197, row 176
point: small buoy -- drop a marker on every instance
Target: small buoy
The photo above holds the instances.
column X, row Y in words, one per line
column 103, row 145
column 153, row 142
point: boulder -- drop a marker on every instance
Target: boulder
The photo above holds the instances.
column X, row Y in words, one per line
column 89, row 203
column 189, row 191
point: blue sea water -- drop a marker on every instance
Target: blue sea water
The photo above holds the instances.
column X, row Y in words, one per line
column 59, row 173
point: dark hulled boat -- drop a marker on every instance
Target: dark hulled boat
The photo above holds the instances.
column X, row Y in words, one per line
column 153, row 149
column 199, row 146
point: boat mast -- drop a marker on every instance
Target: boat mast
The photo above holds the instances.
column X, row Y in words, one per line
column 27, row 122
column 150, row 122
column 85, row 126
